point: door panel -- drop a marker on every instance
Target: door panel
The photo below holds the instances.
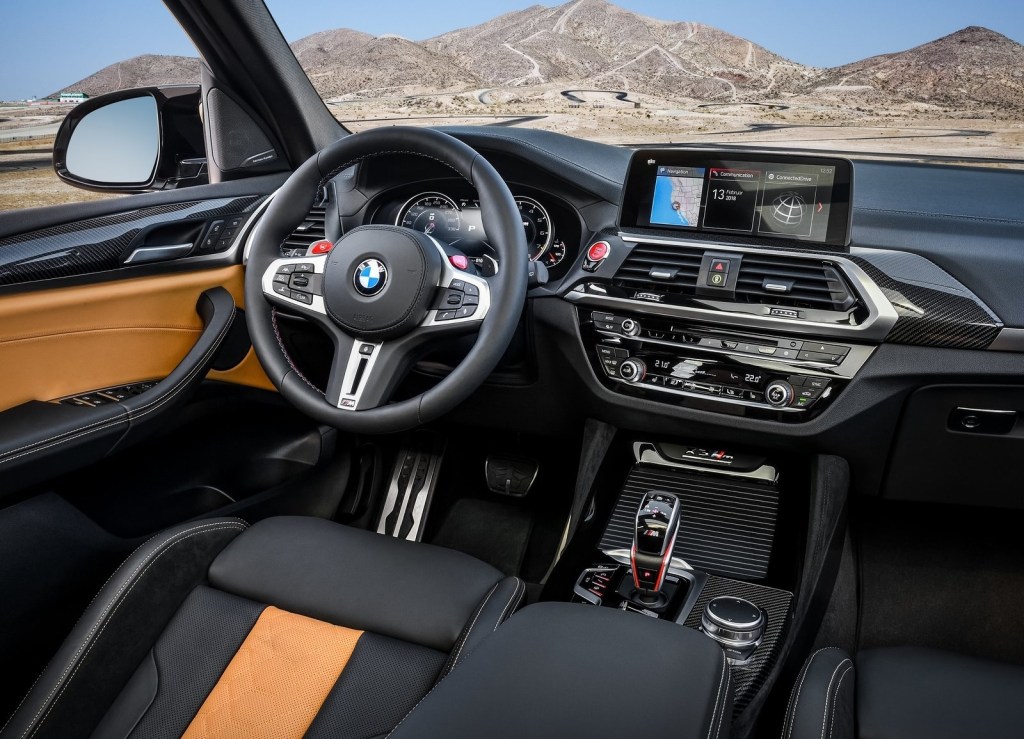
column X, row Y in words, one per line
column 55, row 343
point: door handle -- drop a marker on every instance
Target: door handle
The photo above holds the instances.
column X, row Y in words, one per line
column 147, row 254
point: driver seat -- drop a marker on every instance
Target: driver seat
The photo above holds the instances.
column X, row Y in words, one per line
column 293, row 627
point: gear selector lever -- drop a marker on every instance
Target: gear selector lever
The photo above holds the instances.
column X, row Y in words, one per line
column 657, row 522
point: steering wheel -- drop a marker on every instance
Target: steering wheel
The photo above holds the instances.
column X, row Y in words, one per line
column 383, row 293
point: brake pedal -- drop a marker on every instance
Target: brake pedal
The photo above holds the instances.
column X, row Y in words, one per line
column 509, row 475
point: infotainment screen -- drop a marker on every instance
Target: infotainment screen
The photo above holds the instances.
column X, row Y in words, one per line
column 745, row 194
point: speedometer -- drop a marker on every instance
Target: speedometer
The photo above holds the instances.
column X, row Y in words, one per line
column 537, row 224
column 434, row 214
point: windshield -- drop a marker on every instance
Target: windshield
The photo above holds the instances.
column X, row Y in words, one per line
column 936, row 81
column 917, row 80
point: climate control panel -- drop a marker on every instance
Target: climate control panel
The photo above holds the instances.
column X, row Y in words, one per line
column 772, row 375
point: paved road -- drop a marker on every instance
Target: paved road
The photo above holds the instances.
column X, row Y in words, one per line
column 13, row 134
column 25, row 165
column 619, row 95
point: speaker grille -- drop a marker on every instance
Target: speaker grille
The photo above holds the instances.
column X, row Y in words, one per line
column 236, row 140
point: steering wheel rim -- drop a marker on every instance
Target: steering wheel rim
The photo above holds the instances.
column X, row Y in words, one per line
column 396, row 320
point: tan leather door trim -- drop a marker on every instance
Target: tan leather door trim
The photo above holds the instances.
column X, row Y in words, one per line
column 55, row 343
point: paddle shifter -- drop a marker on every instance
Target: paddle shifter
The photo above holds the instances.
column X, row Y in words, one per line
column 657, row 522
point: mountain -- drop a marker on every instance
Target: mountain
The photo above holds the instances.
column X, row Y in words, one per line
column 596, row 43
column 139, row 71
column 344, row 62
column 973, row 65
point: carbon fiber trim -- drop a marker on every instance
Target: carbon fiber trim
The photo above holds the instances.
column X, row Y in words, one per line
column 727, row 525
column 96, row 244
column 933, row 308
column 749, row 677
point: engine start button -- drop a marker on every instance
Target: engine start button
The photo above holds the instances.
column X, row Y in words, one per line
column 598, row 251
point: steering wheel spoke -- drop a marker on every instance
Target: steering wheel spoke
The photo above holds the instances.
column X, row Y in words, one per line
column 297, row 283
column 364, row 374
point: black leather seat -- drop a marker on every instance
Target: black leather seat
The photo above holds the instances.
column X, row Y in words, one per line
column 293, row 627
column 299, row 627
column 905, row 693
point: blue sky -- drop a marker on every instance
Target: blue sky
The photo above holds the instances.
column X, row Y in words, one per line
column 48, row 44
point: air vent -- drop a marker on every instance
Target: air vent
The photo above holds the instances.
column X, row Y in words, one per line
column 660, row 269
column 797, row 283
column 310, row 230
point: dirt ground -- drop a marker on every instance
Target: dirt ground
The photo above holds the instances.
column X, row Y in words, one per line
column 913, row 131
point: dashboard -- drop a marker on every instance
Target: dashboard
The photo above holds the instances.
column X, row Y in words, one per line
column 737, row 325
column 863, row 332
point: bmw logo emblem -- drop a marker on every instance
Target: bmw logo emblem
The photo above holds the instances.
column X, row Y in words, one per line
column 371, row 277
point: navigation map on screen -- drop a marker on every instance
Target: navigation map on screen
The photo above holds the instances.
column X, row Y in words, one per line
column 678, row 193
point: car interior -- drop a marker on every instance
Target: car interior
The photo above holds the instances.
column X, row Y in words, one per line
column 470, row 431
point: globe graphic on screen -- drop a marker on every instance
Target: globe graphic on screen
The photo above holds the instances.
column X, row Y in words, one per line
column 788, row 209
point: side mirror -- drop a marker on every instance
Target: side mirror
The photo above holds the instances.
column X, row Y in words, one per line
column 133, row 141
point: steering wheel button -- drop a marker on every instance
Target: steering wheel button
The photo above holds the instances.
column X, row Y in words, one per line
column 286, row 269
column 320, row 247
column 471, row 300
column 304, row 267
column 302, row 297
column 445, row 315
column 366, row 350
column 281, row 278
column 459, row 262
column 471, row 289
column 454, row 299
column 282, row 289
column 458, row 285
column 465, row 312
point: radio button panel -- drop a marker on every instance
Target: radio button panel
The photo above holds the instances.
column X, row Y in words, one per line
column 774, row 376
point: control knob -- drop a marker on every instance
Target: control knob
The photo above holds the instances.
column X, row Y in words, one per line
column 630, row 327
column 633, row 370
column 733, row 622
column 779, row 393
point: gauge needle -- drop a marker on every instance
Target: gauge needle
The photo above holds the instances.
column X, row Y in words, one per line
column 429, row 228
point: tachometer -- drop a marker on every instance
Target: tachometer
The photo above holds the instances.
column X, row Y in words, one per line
column 537, row 224
column 434, row 214
column 554, row 256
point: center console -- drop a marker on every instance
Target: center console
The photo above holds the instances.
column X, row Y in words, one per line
column 728, row 285
column 689, row 541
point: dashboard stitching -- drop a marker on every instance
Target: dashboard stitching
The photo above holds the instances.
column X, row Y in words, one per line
column 944, row 216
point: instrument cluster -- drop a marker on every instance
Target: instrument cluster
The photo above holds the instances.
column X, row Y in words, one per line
column 451, row 214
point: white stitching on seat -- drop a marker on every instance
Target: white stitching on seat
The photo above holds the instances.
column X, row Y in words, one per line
column 835, row 703
column 455, row 659
column 109, row 611
column 828, row 692
column 722, row 679
column 520, row 586
column 725, row 695
column 794, row 697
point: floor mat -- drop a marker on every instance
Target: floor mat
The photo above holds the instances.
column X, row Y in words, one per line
column 492, row 530
column 942, row 576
